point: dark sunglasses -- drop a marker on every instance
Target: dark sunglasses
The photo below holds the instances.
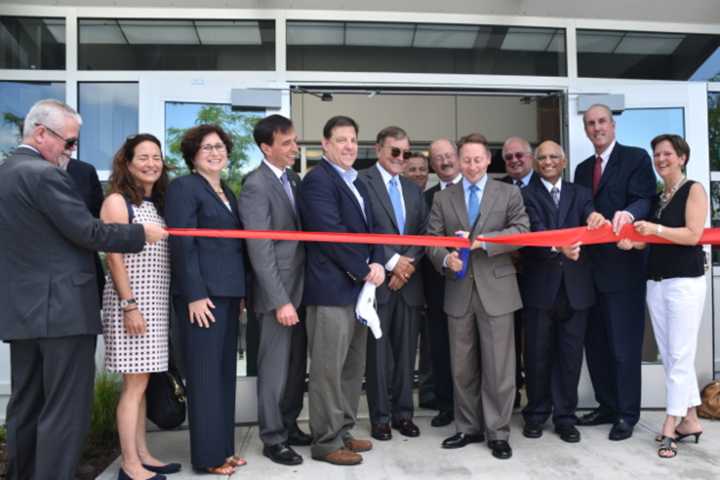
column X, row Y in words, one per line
column 395, row 152
column 516, row 155
column 69, row 142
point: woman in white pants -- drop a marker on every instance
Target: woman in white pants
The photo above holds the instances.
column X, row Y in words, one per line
column 676, row 286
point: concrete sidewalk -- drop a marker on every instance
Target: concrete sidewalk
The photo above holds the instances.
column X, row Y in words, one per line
column 595, row 457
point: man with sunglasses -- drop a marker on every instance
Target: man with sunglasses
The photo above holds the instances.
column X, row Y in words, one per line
column 51, row 313
column 398, row 208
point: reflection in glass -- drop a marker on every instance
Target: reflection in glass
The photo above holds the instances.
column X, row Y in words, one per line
column 16, row 98
column 32, row 43
column 110, row 115
column 714, row 130
column 425, row 48
column 133, row 44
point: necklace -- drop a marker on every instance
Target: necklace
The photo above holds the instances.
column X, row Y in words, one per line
column 666, row 196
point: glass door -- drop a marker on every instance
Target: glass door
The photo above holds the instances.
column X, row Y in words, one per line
column 652, row 109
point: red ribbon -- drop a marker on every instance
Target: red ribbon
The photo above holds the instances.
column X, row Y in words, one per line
column 548, row 238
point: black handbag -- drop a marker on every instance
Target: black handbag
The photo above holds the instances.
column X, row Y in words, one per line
column 165, row 397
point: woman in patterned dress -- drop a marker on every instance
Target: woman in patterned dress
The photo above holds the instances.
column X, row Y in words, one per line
column 136, row 298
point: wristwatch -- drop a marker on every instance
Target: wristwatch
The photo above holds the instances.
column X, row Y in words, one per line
column 128, row 302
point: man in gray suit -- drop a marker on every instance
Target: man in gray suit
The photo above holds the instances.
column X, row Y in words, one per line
column 480, row 303
column 267, row 202
column 397, row 207
column 48, row 291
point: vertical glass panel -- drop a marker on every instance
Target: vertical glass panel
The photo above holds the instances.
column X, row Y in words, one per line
column 133, row 44
column 425, row 48
column 16, row 98
column 647, row 55
column 32, row 43
column 110, row 115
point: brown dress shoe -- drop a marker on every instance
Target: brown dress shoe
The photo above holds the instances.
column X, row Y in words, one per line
column 341, row 456
column 357, row 445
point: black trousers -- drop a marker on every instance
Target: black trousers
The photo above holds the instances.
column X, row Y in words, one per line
column 210, row 356
column 48, row 415
column 437, row 322
column 554, row 341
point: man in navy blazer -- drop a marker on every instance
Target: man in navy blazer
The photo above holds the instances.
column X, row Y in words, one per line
column 557, row 293
column 623, row 184
column 331, row 200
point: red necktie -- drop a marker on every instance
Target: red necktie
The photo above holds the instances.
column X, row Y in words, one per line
column 597, row 174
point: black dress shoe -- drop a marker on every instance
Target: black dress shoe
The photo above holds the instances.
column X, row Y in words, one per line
column 459, row 440
column 282, row 453
column 621, row 431
column 298, row 438
column 500, row 449
column 596, row 417
column 381, row 431
column 445, row 417
column 406, row 427
column 164, row 469
column 532, row 430
column 568, row 433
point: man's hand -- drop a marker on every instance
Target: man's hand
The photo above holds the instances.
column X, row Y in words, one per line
column 199, row 312
column 404, row 268
column 376, row 276
column 396, row 283
column 286, row 315
column 625, row 244
column 620, row 218
column 453, row 262
column 154, row 232
column 596, row 220
column 571, row 251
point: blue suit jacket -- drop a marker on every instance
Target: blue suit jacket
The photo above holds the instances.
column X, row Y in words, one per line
column 203, row 267
column 627, row 183
column 543, row 270
column 334, row 272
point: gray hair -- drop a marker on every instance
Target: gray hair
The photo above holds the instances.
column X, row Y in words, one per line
column 601, row 106
column 525, row 144
column 49, row 112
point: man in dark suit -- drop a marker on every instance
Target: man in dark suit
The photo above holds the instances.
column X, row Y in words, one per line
column 623, row 184
column 88, row 187
column 331, row 200
column 51, row 314
column 444, row 162
column 397, row 207
column 557, row 293
column 267, row 202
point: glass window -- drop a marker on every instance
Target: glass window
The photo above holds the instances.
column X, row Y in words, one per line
column 129, row 44
column 644, row 55
column 638, row 126
column 110, row 114
column 32, row 43
column 16, row 98
column 425, row 48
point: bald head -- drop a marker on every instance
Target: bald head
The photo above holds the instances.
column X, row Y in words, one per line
column 444, row 159
column 550, row 161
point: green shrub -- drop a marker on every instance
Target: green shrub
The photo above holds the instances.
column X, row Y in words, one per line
column 103, row 427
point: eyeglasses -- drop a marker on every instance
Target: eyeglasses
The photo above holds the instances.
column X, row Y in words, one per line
column 516, row 156
column 395, row 152
column 207, row 148
column 70, row 143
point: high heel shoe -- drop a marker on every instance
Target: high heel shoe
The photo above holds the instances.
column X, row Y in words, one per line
column 679, row 436
column 124, row 476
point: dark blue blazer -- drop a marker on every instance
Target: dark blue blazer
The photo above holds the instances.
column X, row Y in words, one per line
column 627, row 183
column 334, row 272
column 203, row 267
column 544, row 270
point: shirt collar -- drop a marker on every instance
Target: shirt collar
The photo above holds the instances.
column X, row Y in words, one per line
column 386, row 175
column 25, row 145
column 605, row 155
column 453, row 181
column 278, row 173
column 480, row 183
column 549, row 186
column 349, row 175
column 526, row 179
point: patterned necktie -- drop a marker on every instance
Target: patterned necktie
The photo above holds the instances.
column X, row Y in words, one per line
column 473, row 205
column 288, row 188
column 597, row 174
column 519, row 183
column 396, row 201
column 555, row 193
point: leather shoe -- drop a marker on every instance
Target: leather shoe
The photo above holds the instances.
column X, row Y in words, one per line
column 568, row 433
column 596, row 417
column 164, row 469
column 298, row 438
column 444, row 417
column 341, row 456
column 357, row 445
column 460, row 439
column 406, row 427
column 380, row 431
column 532, row 430
column 500, row 449
column 282, row 453
column 620, row 431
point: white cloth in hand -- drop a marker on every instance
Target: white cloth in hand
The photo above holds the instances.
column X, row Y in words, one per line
column 365, row 310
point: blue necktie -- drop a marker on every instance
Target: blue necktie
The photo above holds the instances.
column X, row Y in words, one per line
column 288, row 189
column 473, row 205
column 397, row 204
